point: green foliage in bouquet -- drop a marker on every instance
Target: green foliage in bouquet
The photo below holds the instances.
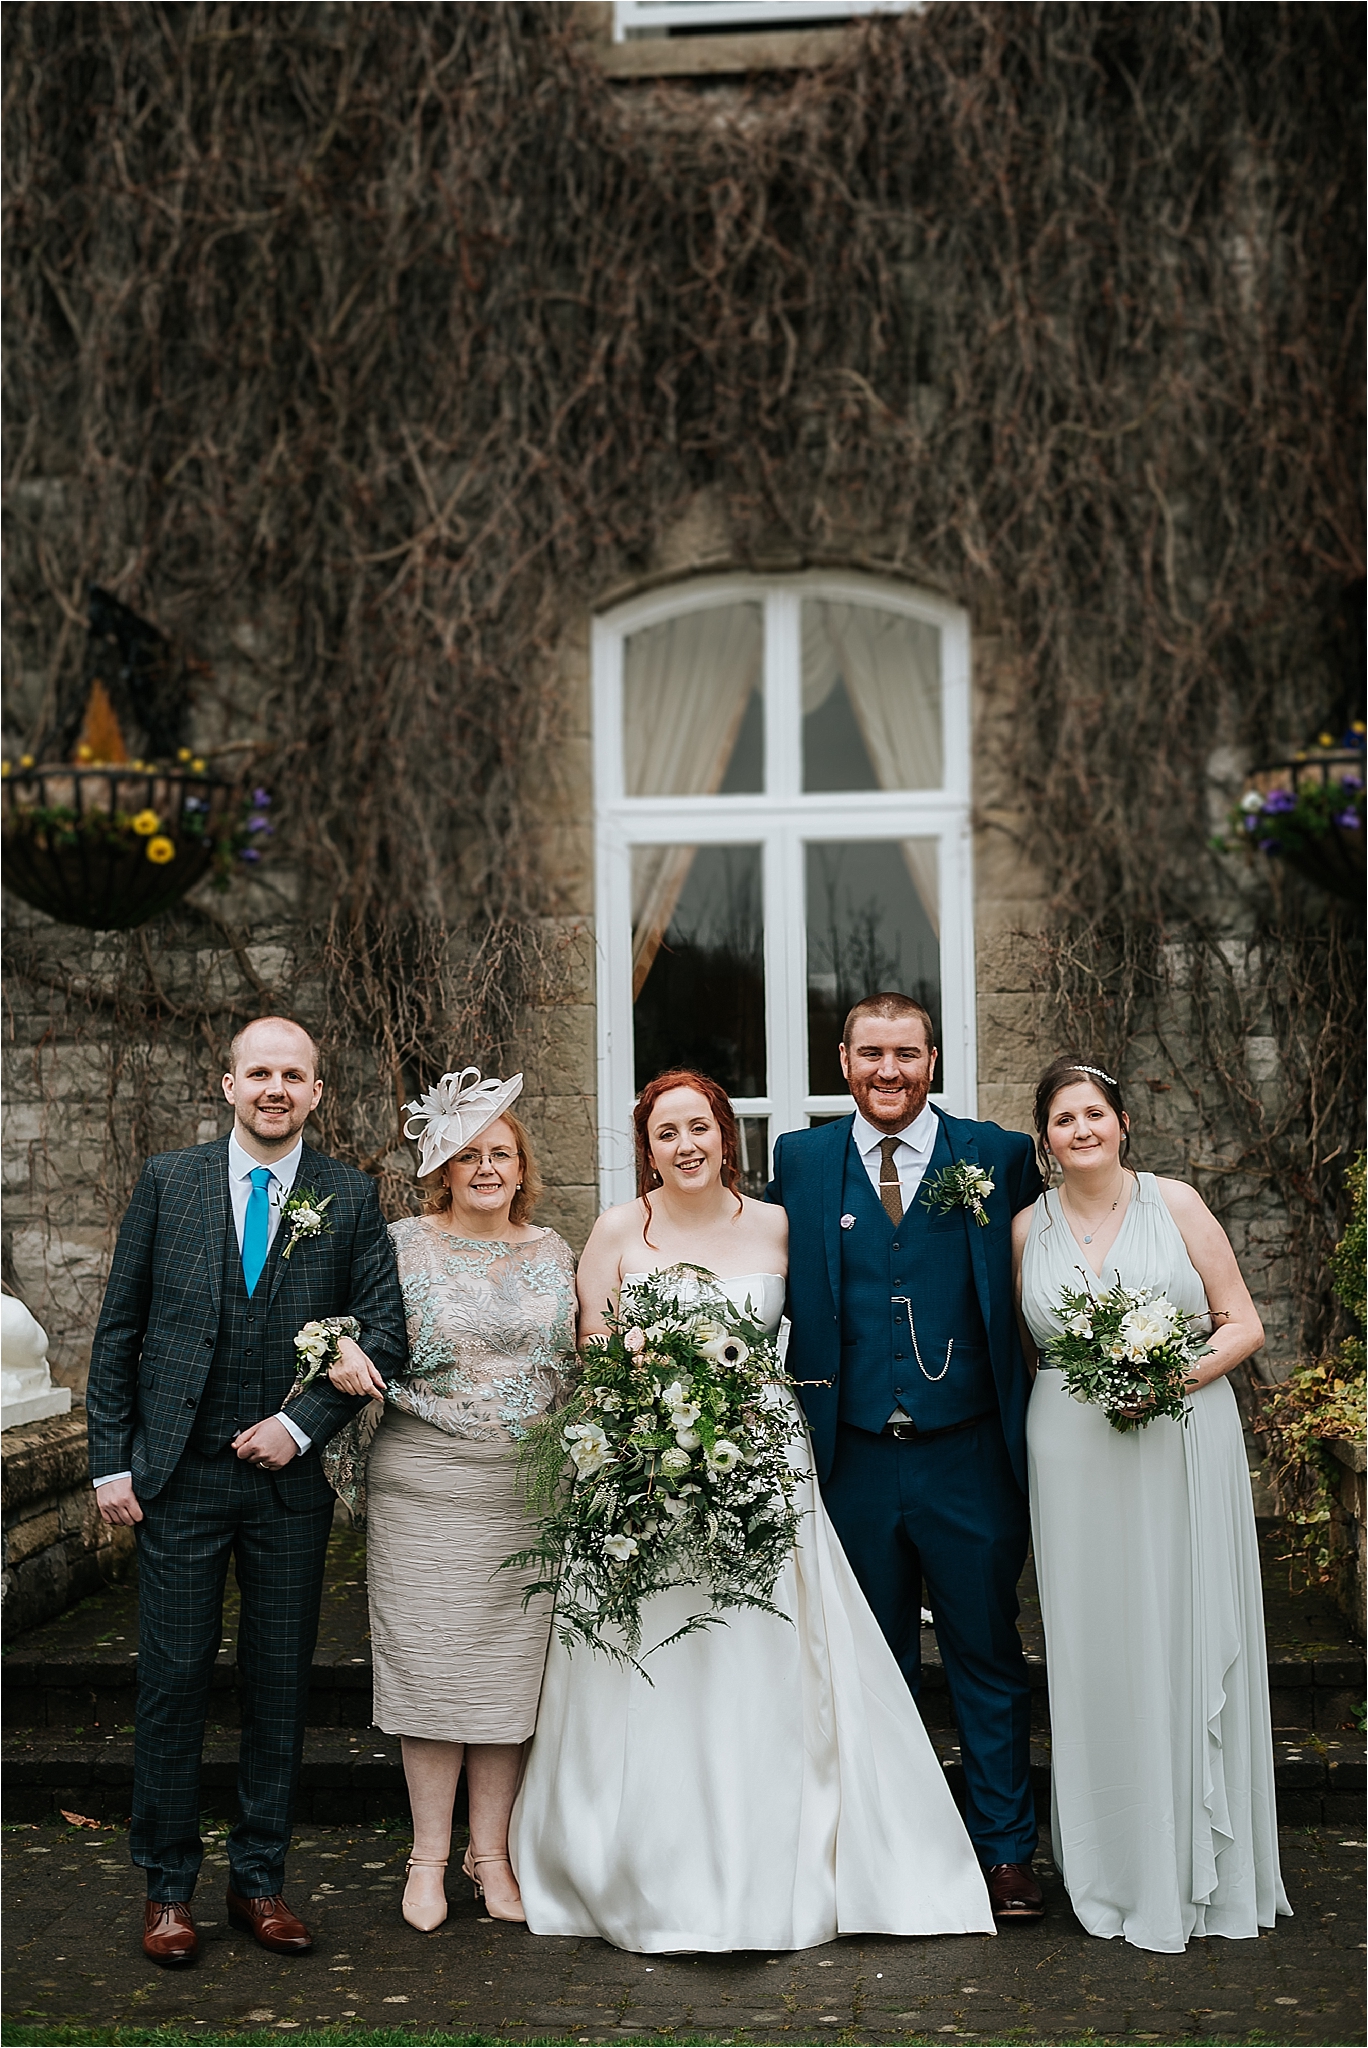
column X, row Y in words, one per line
column 1127, row 1351
column 670, row 1464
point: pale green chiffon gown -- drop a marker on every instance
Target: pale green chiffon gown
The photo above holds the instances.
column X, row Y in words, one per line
column 1164, row 1825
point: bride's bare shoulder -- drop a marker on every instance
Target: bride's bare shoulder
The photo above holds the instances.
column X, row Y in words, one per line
column 617, row 1226
column 767, row 1220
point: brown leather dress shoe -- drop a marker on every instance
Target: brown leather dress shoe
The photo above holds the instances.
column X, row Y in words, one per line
column 271, row 1923
column 1014, row 1893
column 169, row 1936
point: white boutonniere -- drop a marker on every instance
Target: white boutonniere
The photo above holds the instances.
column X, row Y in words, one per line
column 961, row 1186
column 303, row 1210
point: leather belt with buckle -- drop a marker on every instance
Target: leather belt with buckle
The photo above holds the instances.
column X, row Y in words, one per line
column 908, row 1432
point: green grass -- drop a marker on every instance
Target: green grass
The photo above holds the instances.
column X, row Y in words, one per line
column 17, row 2035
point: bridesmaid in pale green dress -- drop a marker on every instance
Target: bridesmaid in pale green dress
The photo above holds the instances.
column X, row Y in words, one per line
column 1163, row 1824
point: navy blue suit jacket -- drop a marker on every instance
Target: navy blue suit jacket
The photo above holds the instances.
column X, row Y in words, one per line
column 809, row 1169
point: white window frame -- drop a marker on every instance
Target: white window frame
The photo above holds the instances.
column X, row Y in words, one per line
column 632, row 18
column 782, row 821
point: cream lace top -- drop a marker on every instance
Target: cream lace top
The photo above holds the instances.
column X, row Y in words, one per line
column 491, row 1328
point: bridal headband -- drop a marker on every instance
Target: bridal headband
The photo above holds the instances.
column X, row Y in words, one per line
column 461, row 1106
column 1079, row 1068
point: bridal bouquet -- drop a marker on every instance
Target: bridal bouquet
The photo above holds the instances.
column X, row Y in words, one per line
column 681, row 1469
column 1126, row 1348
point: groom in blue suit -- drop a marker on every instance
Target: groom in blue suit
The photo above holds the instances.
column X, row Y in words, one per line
column 904, row 1344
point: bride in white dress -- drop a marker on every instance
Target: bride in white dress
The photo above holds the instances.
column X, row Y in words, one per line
column 1164, row 1825
column 772, row 1786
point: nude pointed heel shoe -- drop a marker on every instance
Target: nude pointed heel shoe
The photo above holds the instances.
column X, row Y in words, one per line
column 423, row 1926
column 471, row 1867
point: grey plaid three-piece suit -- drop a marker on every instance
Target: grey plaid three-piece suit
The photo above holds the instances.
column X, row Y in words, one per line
column 182, row 1359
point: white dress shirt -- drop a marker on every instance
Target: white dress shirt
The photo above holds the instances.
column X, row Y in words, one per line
column 240, row 1167
column 911, row 1155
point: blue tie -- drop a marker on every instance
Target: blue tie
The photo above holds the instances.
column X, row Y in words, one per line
column 254, row 1226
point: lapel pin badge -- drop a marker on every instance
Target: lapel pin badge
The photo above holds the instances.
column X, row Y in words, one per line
column 847, row 1222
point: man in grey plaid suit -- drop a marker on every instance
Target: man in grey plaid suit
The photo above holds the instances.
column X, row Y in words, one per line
column 193, row 1358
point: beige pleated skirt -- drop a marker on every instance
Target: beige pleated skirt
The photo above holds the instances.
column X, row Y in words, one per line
column 457, row 1658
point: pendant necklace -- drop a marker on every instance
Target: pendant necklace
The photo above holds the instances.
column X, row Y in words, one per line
column 1088, row 1235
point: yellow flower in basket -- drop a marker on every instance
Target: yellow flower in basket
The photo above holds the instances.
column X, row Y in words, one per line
column 161, row 849
column 146, row 823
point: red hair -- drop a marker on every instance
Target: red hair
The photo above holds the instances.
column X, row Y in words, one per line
column 715, row 1095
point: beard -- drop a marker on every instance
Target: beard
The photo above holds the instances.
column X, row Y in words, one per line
column 284, row 1121
column 912, row 1103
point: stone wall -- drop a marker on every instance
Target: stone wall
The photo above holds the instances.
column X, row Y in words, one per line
column 57, row 1550
column 83, row 1107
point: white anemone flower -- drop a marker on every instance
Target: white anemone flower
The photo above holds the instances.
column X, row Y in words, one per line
column 675, row 1461
column 724, row 1455
column 620, row 1548
column 726, row 1349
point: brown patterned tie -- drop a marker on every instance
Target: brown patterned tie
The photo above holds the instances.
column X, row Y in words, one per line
column 890, row 1192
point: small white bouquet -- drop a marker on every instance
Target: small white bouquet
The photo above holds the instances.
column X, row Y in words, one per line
column 1128, row 1351
column 316, row 1348
column 682, row 1472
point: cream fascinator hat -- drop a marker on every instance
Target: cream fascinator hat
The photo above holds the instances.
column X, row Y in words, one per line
column 445, row 1120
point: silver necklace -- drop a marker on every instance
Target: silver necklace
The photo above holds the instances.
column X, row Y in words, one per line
column 1088, row 1235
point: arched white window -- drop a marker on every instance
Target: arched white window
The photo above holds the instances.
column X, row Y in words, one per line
column 782, row 827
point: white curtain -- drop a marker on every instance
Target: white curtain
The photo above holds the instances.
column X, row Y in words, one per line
column 686, row 685
column 890, row 665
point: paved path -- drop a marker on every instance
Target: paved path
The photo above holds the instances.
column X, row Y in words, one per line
column 72, row 1922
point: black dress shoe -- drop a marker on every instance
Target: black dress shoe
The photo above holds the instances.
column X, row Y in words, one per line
column 169, row 1936
column 1014, row 1893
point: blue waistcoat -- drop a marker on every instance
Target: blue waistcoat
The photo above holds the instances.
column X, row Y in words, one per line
column 926, row 1261
column 234, row 1394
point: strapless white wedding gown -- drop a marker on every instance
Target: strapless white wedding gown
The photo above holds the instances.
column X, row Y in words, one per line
column 773, row 1787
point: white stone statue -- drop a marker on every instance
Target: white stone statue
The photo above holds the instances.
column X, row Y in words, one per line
column 26, row 1390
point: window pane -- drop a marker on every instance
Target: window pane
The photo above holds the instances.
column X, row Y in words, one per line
column 753, row 1133
column 872, row 924
column 871, row 699
column 691, row 705
column 698, row 963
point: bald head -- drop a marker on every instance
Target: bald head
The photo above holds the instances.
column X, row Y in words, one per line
column 273, row 1026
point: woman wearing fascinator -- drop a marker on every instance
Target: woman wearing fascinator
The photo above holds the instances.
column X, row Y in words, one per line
column 490, row 1302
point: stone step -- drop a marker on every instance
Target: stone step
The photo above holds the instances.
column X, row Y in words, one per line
column 78, row 1673
column 347, row 1780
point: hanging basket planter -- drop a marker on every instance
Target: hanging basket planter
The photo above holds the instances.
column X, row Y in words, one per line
column 1309, row 812
column 107, row 848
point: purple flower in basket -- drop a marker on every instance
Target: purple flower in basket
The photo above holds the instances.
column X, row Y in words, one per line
column 257, row 823
column 261, row 799
column 1278, row 801
column 250, row 853
column 1348, row 821
column 1251, row 823
column 1351, row 784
